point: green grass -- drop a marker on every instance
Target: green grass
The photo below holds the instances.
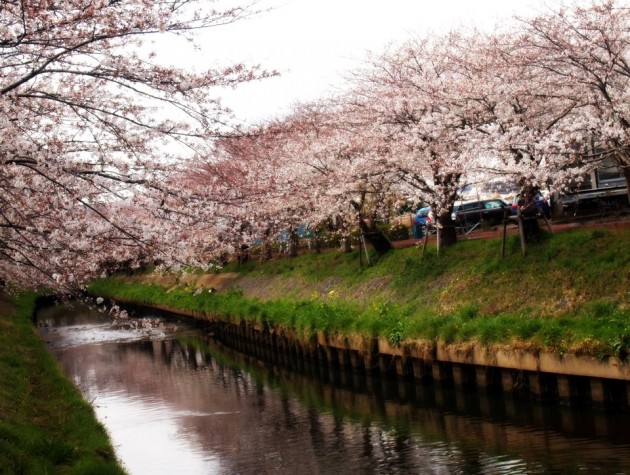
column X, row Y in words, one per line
column 45, row 425
column 570, row 293
column 312, row 267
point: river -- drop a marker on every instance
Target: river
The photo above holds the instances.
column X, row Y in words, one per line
column 175, row 400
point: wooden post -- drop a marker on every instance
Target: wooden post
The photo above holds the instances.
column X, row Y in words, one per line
column 535, row 387
column 360, row 250
column 598, row 394
column 505, row 221
column 542, row 213
column 437, row 235
column 564, row 389
column 426, row 239
column 367, row 256
column 521, row 231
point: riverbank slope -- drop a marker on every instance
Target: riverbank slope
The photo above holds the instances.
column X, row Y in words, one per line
column 46, row 426
column 569, row 295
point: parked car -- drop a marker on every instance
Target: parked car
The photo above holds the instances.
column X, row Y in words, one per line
column 469, row 214
column 542, row 202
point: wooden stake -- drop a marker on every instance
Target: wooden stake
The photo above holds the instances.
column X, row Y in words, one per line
column 521, row 230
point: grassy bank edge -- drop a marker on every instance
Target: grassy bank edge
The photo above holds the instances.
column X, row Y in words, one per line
column 46, row 425
column 600, row 335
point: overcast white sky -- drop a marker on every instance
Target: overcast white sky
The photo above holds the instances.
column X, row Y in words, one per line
column 314, row 42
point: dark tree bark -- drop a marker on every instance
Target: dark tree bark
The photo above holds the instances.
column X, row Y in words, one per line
column 447, row 233
column 293, row 242
column 376, row 238
column 267, row 246
column 528, row 210
column 379, row 241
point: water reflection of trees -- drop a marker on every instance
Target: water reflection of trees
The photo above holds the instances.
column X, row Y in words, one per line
column 260, row 417
column 406, row 425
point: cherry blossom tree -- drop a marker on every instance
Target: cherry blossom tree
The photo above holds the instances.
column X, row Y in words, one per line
column 311, row 168
column 264, row 193
column 409, row 97
column 426, row 117
column 306, row 170
column 520, row 126
column 91, row 127
column 337, row 156
column 584, row 53
column 545, row 93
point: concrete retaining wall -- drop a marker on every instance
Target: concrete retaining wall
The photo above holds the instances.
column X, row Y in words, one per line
column 565, row 379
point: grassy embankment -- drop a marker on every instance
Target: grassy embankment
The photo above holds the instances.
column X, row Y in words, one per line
column 45, row 425
column 571, row 293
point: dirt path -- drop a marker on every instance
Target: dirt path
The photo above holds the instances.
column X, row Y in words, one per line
column 513, row 230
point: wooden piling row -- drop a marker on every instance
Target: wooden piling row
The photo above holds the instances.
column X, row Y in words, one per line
column 354, row 356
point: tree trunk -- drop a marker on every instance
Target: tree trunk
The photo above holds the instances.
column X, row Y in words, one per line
column 529, row 214
column 267, row 251
column 447, row 233
column 531, row 228
column 376, row 238
column 346, row 243
column 243, row 255
column 317, row 244
column 293, row 242
column 267, row 246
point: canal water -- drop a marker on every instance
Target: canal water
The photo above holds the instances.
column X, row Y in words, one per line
column 175, row 400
